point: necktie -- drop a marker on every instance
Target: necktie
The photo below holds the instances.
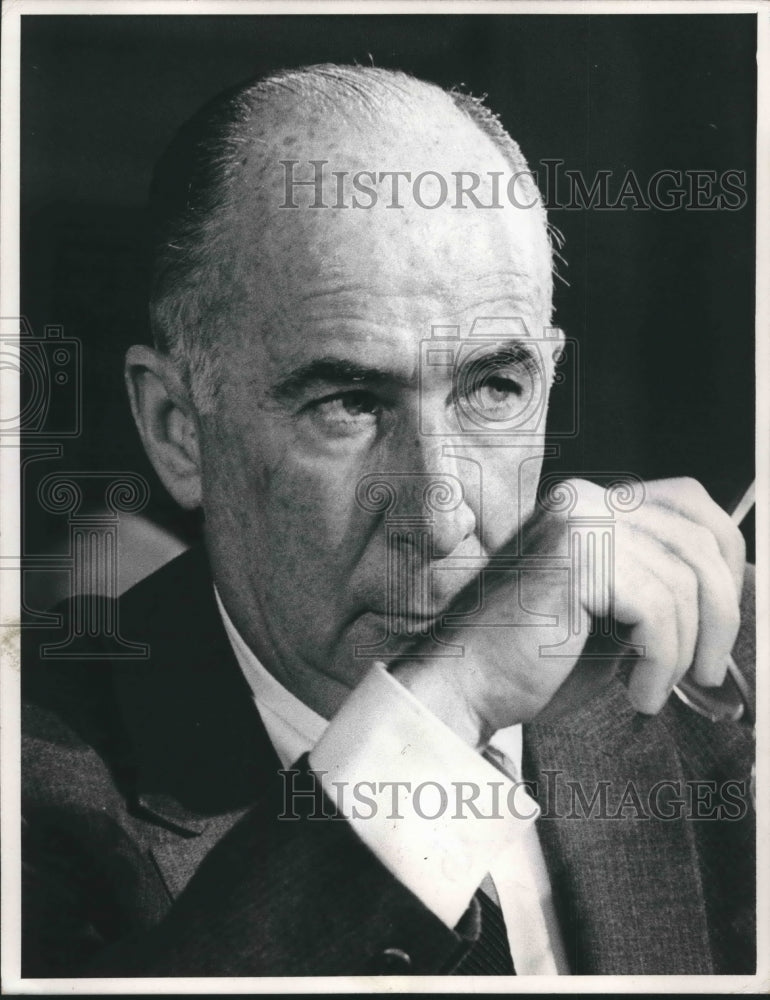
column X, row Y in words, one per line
column 490, row 955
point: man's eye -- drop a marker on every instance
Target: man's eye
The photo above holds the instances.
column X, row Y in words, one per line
column 348, row 412
column 495, row 396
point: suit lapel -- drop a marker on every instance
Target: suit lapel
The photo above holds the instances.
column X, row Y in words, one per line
column 201, row 755
column 627, row 887
column 178, row 857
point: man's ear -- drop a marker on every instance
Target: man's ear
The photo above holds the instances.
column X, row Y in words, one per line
column 557, row 336
column 167, row 422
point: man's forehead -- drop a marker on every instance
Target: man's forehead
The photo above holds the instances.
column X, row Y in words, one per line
column 362, row 268
column 471, row 288
column 387, row 294
column 459, row 258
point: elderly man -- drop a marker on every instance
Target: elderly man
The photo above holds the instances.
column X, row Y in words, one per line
column 321, row 769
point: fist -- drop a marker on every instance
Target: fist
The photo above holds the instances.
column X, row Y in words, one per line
column 668, row 578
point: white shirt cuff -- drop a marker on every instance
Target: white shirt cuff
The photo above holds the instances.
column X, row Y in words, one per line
column 430, row 808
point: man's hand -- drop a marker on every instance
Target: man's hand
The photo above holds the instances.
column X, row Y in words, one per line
column 672, row 584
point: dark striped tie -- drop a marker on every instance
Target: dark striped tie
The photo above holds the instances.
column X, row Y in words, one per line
column 490, row 955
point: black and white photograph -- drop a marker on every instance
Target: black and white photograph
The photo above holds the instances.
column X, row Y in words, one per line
column 384, row 497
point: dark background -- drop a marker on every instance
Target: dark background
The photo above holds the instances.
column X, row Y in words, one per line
column 662, row 303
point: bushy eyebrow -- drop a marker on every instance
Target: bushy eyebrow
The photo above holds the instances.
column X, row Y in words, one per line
column 516, row 353
column 331, row 371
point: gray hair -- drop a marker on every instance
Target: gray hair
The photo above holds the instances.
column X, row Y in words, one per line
column 194, row 186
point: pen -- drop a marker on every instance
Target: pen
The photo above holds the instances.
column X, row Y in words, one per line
column 732, row 701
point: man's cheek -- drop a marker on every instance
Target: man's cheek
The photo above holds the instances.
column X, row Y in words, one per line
column 309, row 535
column 319, row 506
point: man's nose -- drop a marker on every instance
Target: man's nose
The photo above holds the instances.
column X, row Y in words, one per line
column 432, row 492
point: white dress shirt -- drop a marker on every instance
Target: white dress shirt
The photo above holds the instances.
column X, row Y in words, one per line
column 439, row 816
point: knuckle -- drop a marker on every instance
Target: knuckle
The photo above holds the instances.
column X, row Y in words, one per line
column 693, row 488
column 687, row 583
column 704, row 542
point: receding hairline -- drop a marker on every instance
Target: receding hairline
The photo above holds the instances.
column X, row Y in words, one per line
column 289, row 132
column 326, row 103
column 370, row 90
column 189, row 286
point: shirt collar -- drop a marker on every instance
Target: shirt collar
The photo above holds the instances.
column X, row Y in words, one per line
column 293, row 728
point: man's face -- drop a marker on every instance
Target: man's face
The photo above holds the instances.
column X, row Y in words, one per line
column 338, row 413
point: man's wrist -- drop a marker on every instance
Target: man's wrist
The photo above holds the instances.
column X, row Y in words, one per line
column 434, row 811
column 430, row 686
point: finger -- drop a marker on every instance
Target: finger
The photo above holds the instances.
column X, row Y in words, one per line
column 687, row 497
column 654, row 675
column 622, row 567
column 656, row 594
column 717, row 612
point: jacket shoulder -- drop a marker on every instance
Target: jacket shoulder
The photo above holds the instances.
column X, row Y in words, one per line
column 70, row 712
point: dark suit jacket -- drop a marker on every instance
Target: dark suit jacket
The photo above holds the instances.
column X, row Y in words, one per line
column 152, row 844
